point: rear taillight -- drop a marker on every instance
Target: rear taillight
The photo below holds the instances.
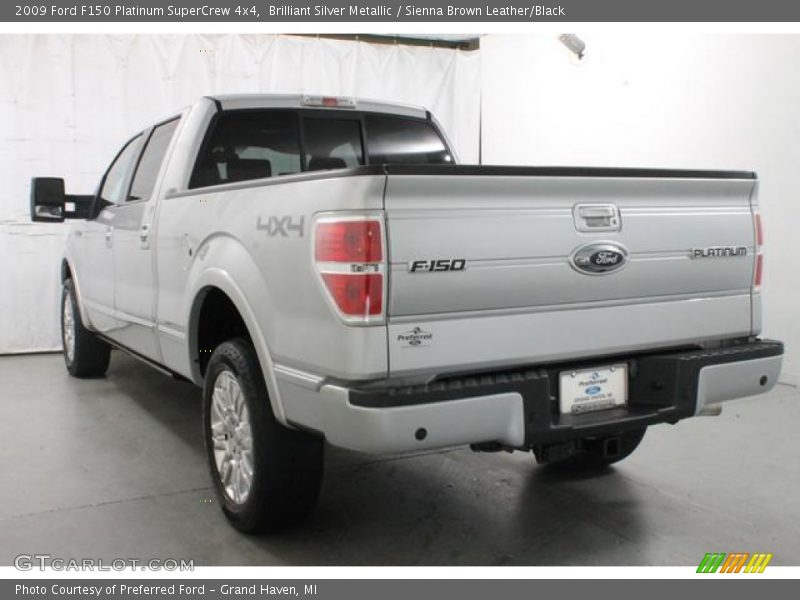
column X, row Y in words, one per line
column 758, row 269
column 349, row 255
column 348, row 242
column 358, row 295
column 759, row 230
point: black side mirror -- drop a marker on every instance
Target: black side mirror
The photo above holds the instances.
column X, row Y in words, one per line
column 47, row 199
column 49, row 203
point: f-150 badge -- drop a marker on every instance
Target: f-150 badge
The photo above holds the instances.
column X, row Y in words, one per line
column 437, row 265
column 599, row 258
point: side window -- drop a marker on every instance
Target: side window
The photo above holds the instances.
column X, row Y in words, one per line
column 332, row 143
column 117, row 176
column 150, row 163
column 249, row 145
column 393, row 140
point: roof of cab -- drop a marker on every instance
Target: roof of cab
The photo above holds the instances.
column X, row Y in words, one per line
column 245, row 101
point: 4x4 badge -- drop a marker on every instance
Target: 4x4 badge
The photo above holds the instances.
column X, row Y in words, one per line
column 282, row 226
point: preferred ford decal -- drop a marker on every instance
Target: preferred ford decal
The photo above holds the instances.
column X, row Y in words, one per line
column 415, row 337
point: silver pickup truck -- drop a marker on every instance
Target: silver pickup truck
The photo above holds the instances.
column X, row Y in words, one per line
column 325, row 271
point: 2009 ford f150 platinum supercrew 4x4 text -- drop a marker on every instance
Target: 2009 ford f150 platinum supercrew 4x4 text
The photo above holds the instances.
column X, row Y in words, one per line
column 323, row 269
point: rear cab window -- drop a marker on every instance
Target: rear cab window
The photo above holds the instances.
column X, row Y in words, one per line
column 332, row 143
column 398, row 140
column 251, row 144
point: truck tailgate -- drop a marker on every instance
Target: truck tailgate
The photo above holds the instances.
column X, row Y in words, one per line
column 488, row 265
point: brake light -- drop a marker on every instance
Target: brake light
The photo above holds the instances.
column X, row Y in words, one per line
column 329, row 101
column 348, row 241
column 356, row 295
column 349, row 257
column 758, row 269
column 759, row 230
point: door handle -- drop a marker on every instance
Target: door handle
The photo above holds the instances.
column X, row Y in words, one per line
column 144, row 235
column 591, row 212
column 597, row 217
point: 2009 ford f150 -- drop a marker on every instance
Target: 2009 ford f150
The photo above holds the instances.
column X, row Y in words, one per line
column 323, row 269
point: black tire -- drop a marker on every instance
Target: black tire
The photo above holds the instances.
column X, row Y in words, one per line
column 90, row 355
column 593, row 457
column 286, row 464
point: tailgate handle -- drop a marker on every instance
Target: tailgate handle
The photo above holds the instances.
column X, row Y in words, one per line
column 597, row 217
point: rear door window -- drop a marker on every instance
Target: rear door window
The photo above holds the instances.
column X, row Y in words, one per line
column 150, row 163
column 246, row 145
column 396, row 140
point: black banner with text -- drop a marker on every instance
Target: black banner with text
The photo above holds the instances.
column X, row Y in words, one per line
column 343, row 589
column 346, row 11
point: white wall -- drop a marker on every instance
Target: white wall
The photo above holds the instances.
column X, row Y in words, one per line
column 638, row 100
column 662, row 100
column 68, row 102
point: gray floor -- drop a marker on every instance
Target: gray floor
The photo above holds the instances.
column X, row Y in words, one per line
column 115, row 468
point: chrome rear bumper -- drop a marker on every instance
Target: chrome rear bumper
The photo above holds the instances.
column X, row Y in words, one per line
column 519, row 409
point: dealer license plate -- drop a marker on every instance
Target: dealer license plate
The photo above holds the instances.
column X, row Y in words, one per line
column 589, row 390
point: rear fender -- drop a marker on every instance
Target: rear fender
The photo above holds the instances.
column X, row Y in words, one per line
column 224, row 263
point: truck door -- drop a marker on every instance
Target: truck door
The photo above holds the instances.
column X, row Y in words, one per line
column 94, row 248
column 134, row 297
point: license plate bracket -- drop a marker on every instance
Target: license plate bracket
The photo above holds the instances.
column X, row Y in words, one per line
column 593, row 389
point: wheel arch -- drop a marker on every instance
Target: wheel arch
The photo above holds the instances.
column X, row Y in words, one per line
column 213, row 284
column 67, row 271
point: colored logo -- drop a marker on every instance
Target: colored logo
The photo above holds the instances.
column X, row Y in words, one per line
column 592, row 390
column 736, row 562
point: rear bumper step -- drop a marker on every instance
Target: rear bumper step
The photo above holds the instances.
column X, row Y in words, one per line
column 520, row 409
column 662, row 388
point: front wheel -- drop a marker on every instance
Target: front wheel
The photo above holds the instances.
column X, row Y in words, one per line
column 85, row 354
column 267, row 477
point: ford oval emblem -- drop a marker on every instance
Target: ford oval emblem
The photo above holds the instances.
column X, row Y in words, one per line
column 600, row 258
column 592, row 390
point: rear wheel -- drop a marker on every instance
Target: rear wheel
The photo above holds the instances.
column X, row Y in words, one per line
column 597, row 453
column 267, row 477
column 85, row 354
